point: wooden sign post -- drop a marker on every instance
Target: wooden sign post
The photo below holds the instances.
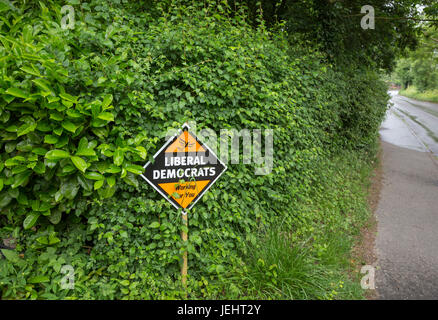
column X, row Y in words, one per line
column 184, row 238
column 182, row 171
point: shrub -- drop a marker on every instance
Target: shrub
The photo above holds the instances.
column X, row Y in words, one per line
column 83, row 108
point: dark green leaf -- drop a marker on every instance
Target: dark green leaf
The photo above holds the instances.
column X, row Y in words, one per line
column 30, row 220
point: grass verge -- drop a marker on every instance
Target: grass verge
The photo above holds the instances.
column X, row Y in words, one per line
column 313, row 259
column 428, row 95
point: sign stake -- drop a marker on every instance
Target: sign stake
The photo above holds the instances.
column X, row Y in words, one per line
column 184, row 264
column 182, row 171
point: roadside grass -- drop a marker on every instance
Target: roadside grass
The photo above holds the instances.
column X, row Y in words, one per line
column 313, row 261
column 412, row 92
column 280, row 270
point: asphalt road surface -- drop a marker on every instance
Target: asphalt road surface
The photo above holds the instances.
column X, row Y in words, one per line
column 407, row 213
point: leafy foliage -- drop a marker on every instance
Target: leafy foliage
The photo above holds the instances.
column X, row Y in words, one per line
column 419, row 67
column 83, row 109
column 58, row 142
column 334, row 27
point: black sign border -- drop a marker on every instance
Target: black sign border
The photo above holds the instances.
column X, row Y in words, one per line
column 201, row 194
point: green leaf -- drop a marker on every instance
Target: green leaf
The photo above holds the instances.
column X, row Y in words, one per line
column 50, row 139
column 98, row 184
column 107, row 101
column 53, row 238
column 44, row 85
column 80, row 163
column 12, row 128
column 85, row 183
column 94, row 176
column 70, row 98
column 14, row 193
column 39, row 168
column 107, row 192
column 68, row 169
column 30, row 220
column 26, row 128
column 7, row 98
column 70, row 188
column 135, row 169
column 13, row 257
column 43, row 240
column 10, row 146
column 66, row 103
column 118, row 156
column 63, row 140
column 58, row 131
column 57, row 154
column 55, row 216
column 154, row 225
column 95, row 109
column 124, row 283
column 110, row 180
column 113, row 169
column 39, row 151
column 27, row 34
column 51, row 99
column 83, row 144
column 5, row 199
column 38, row 279
column 142, row 152
column 131, row 179
column 14, row 161
column 44, row 126
column 73, row 113
column 102, row 133
column 108, row 116
column 83, row 149
column 17, row 93
column 69, row 126
column 56, row 116
column 33, row 71
column 22, row 199
column 21, row 179
column 19, row 169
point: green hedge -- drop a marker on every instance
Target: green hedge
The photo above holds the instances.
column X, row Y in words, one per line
column 82, row 110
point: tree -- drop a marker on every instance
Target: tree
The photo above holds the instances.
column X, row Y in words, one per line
column 420, row 68
column 403, row 73
column 334, row 26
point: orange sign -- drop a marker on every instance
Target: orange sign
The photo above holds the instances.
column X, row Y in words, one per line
column 183, row 169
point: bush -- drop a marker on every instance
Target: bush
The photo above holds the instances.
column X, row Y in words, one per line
column 82, row 109
column 58, row 142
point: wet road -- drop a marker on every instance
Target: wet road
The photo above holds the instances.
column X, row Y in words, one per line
column 407, row 213
column 411, row 124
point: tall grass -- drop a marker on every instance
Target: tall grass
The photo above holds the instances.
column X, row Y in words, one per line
column 280, row 269
column 312, row 258
column 428, row 95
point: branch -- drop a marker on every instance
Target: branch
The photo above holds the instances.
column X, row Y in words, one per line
column 391, row 18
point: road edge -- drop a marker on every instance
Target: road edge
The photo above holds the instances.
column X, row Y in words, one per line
column 364, row 251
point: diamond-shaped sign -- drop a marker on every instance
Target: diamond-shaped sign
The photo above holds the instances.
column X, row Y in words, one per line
column 183, row 169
